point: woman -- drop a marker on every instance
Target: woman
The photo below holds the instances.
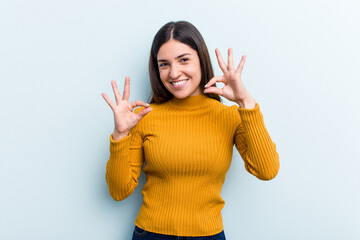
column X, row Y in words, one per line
column 185, row 137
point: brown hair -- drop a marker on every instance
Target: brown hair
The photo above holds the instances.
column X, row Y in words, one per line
column 188, row 34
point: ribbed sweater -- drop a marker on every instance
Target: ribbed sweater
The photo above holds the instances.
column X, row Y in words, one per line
column 186, row 146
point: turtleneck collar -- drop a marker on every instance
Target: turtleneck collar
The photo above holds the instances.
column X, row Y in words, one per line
column 191, row 102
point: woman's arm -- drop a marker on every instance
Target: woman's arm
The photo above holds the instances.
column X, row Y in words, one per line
column 124, row 165
column 255, row 146
column 251, row 139
column 126, row 154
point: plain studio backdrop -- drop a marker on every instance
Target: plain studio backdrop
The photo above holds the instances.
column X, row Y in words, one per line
column 57, row 57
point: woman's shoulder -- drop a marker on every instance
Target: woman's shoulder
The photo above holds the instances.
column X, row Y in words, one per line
column 227, row 112
column 225, row 108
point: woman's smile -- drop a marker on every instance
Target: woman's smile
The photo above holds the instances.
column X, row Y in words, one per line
column 180, row 83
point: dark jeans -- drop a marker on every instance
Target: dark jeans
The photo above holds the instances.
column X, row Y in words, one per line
column 140, row 234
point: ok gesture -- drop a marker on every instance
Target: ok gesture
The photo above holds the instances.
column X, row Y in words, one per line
column 234, row 89
column 124, row 117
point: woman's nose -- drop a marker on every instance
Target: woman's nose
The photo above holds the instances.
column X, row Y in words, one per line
column 174, row 72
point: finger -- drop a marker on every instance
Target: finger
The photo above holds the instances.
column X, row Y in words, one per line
column 126, row 93
column 108, row 100
column 241, row 64
column 143, row 112
column 215, row 90
column 139, row 103
column 221, row 62
column 231, row 66
column 116, row 92
column 215, row 80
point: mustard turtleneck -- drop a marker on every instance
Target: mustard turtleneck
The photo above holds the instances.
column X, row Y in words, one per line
column 186, row 146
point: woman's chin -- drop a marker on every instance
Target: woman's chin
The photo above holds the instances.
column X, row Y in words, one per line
column 180, row 95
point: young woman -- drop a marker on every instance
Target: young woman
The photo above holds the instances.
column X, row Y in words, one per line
column 185, row 138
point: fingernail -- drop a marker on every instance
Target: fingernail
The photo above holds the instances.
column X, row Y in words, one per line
column 205, row 85
column 147, row 104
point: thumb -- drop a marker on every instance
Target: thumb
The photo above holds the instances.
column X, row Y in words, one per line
column 143, row 112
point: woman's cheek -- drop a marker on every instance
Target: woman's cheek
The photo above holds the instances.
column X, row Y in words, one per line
column 162, row 75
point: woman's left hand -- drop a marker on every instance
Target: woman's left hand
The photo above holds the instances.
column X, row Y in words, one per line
column 234, row 89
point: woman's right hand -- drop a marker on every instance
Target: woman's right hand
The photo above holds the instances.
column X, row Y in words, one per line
column 124, row 117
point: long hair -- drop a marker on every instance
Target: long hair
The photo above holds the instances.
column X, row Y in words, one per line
column 188, row 34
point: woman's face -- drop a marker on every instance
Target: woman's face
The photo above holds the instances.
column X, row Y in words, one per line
column 179, row 68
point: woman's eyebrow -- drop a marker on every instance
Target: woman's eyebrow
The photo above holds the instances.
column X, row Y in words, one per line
column 180, row 56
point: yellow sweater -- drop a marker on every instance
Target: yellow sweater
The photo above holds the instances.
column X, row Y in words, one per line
column 186, row 146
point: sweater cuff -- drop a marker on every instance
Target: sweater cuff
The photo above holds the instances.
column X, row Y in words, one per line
column 116, row 145
column 246, row 112
column 251, row 116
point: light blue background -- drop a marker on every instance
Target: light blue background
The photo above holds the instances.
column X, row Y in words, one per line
column 57, row 57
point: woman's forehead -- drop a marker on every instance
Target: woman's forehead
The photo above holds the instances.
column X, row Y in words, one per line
column 173, row 49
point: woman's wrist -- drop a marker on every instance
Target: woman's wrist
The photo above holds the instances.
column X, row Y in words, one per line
column 117, row 136
column 248, row 103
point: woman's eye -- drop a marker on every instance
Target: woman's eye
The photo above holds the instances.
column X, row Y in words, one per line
column 184, row 59
column 163, row 65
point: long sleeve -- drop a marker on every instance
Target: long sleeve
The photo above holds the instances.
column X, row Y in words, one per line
column 124, row 165
column 255, row 146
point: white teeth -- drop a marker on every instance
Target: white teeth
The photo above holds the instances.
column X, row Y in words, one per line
column 178, row 83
